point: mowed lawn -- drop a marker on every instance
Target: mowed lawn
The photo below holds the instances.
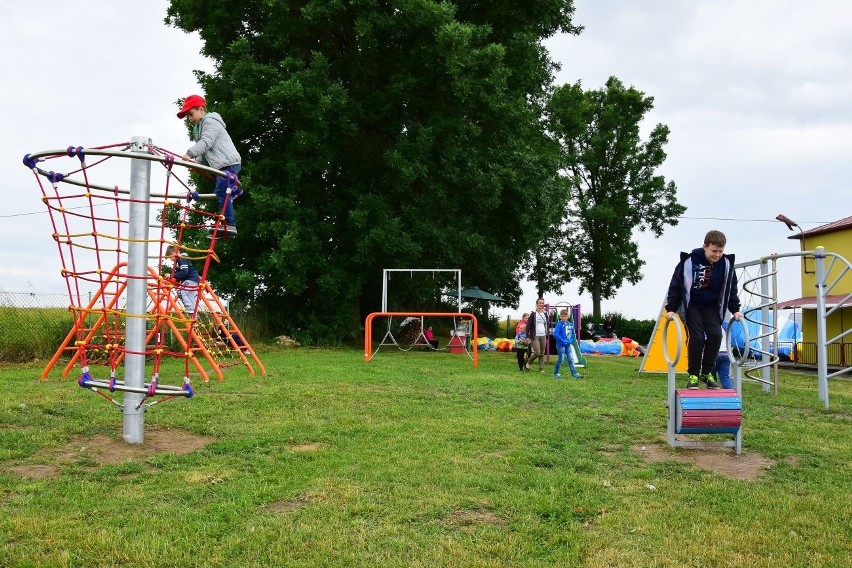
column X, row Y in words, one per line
column 417, row 459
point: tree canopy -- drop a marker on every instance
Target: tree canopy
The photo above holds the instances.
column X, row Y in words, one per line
column 613, row 185
column 378, row 134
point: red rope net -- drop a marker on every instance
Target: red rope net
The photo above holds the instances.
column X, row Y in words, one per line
column 90, row 218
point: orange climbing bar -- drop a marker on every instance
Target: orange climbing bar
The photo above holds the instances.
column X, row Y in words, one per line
column 368, row 329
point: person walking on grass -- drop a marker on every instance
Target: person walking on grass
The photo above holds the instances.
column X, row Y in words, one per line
column 522, row 345
column 538, row 330
column 564, row 335
column 521, row 327
column 703, row 287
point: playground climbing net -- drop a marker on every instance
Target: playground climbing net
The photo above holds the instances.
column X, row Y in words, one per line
column 95, row 225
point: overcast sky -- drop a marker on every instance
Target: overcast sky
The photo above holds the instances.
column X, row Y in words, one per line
column 756, row 95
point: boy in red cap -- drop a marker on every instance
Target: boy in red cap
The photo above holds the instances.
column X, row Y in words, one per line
column 214, row 147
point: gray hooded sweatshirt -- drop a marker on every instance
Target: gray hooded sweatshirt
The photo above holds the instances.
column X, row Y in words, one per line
column 214, row 146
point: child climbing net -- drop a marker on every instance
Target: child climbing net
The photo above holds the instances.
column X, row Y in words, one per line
column 124, row 309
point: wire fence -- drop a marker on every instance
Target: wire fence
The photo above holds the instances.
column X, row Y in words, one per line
column 32, row 324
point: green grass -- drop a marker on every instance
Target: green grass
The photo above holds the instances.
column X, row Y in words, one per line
column 420, row 459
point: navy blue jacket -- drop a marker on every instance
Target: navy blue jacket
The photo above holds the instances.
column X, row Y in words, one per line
column 185, row 271
column 684, row 284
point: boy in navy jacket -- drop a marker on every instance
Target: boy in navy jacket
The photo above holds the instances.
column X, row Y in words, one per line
column 703, row 286
column 186, row 276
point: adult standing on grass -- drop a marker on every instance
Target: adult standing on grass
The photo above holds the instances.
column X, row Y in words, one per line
column 538, row 329
column 214, row 147
column 703, row 286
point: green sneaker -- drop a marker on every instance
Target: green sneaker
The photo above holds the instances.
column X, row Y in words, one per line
column 692, row 382
column 712, row 383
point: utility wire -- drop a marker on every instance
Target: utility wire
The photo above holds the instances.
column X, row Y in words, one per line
column 682, row 218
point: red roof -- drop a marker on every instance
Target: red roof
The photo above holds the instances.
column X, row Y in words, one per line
column 810, row 302
column 840, row 225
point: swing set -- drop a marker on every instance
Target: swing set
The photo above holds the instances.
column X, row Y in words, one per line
column 411, row 330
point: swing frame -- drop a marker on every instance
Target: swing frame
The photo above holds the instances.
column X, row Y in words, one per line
column 368, row 329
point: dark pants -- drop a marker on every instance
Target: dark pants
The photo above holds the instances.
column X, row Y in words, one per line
column 704, row 336
column 521, row 360
column 222, row 192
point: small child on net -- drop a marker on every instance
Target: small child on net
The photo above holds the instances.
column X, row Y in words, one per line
column 186, row 277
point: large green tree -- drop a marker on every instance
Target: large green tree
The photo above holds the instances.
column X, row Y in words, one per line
column 379, row 134
column 613, row 185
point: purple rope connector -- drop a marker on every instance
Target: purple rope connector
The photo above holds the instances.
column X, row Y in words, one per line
column 84, row 379
column 76, row 151
column 30, row 162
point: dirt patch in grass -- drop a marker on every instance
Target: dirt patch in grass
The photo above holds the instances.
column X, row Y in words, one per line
column 105, row 450
column 288, row 506
column 469, row 518
column 724, row 461
column 303, row 447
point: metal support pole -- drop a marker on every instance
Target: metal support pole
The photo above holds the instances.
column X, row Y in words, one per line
column 738, row 378
column 460, row 289
column 384, row 290
column 774, row 272
column 822, row 349
column 764, row 323
column 671, row 363
column 137, row 283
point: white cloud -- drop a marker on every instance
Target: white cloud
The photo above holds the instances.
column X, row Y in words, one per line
column 756, row 96
column 755, row 93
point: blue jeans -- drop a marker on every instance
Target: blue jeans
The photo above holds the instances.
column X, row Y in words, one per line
column 723, row 370
column 564, row 355
column 221, row 192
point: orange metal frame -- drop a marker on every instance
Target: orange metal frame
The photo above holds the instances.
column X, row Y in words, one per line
column 368, row 329
column 164, row 304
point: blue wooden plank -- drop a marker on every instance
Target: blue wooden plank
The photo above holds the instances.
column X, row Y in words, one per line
column 712, row 406
column 709, row 430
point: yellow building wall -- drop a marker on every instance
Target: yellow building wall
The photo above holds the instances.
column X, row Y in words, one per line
column 838, row 322
column 839, row 243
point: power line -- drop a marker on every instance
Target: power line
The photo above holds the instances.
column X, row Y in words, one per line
column 683, row 217
column 750, row 220
column 43, row 212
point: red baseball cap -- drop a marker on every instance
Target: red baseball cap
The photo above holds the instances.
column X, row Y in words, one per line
column 189, row 102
